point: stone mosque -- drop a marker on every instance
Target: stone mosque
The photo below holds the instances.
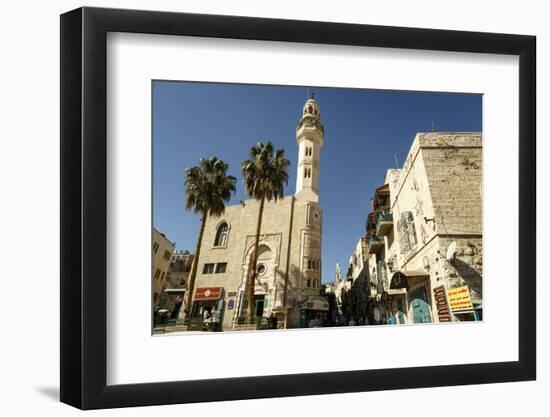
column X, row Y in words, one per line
column 289, row 254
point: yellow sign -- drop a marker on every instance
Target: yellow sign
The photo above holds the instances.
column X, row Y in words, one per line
column 459, row 298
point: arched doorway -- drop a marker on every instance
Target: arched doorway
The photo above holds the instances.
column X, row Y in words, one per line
column 266, row 268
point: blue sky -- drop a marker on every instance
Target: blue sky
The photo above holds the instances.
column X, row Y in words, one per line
column 364, row 131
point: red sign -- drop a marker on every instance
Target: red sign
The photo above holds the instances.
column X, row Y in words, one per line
column 208, row 293
column 441, row 304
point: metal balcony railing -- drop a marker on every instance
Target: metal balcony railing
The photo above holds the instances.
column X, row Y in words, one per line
column 384, row 223
column 375, row 243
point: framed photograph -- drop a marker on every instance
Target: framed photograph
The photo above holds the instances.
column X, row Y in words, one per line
column 257, row 208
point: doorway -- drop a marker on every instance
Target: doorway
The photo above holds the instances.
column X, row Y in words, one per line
column 259, row 301
column 420, row 305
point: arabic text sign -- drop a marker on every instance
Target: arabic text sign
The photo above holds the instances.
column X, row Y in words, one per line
column 459, row 298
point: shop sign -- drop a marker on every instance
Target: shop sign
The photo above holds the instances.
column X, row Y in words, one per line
column 441, row 304
column 459, row 298
column 232, row 294
column 231, row 304
column 208, row 293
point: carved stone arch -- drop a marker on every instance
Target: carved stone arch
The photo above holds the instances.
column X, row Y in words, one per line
column 263, row 242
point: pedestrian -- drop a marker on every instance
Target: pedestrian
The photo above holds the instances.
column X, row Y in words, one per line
column 177, row 306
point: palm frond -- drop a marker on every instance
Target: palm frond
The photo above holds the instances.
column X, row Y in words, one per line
column 265, row 174
column 208, row 187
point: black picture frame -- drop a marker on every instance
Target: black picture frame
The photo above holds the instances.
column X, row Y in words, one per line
column 84, row 207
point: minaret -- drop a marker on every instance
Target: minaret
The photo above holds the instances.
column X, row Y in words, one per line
column 337, row 273
column 309, row 136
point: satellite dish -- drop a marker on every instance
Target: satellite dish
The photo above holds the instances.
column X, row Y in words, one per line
column 451, row 251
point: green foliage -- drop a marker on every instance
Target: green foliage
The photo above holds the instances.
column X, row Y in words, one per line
column 265, row 174
column 208, row 187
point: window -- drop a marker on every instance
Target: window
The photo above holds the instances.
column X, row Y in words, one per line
column 155, row 247
column 162, row 276
column 406, row 232
column 167, row 255
column 221, row 267
column 308, row 283
column 208, row 269
column 261, row 269
column 313, row 264
column 157, row 273
column 221, row 235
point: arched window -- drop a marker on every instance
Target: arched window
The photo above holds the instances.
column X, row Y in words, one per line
column 221, row 235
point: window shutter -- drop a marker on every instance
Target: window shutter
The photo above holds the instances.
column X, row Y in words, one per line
column 411, row 229
column 402, row 230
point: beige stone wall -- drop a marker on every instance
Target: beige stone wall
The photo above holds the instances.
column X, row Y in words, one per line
column 290, row 238
column 278, row 217
column 440, row 185
column 162, row 253
column 457, row 201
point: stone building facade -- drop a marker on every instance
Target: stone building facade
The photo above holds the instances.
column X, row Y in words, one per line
column 355, row 291
column 289, row 254
column 424, row 236
column 177, row 277
column 162, row 254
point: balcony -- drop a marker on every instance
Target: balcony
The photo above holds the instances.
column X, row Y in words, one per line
column 384, row 223
column 375, row 243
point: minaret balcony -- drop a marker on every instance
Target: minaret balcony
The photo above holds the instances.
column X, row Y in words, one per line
column 310, row 124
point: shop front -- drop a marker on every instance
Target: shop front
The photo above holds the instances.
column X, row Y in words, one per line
column 396, row 301
column 207, row 309
column 314, row 312
column 462, row 307
column 174, row 302
column 416, row 286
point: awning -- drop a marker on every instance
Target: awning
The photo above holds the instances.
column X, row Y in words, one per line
column 174, row 290
column 412, row 273
column 383, row 189
column 396, row 291
column 316, row 302
column 399, row 278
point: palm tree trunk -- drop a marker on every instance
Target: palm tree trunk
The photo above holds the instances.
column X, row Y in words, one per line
column 253, row 264
column 193, row 273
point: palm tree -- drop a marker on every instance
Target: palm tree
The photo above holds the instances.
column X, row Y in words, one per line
column 207, row 189
column 265, row 175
